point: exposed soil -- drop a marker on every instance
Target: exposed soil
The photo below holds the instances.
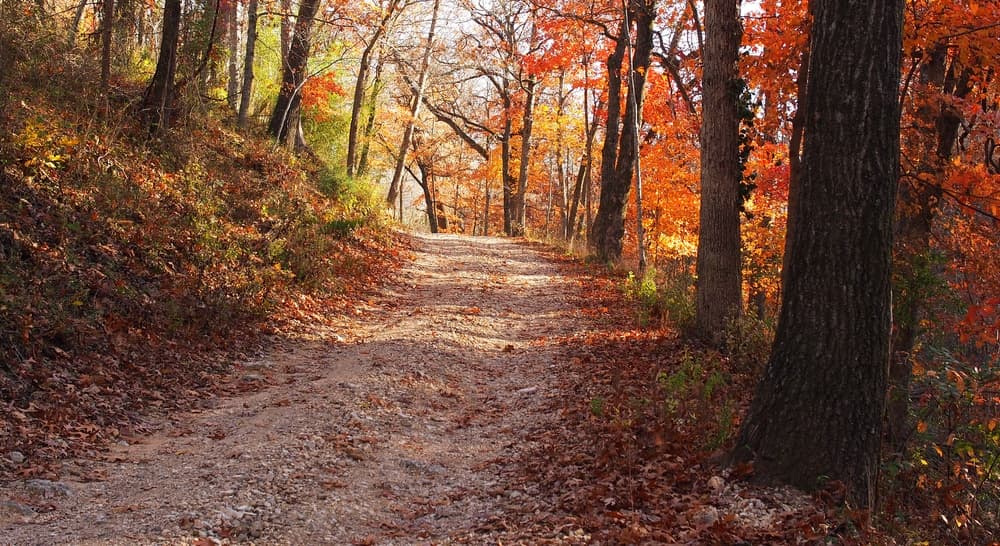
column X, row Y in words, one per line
column 397, row 429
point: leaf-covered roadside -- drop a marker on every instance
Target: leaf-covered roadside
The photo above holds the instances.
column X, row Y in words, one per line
column 132, row 274
column 645, row 414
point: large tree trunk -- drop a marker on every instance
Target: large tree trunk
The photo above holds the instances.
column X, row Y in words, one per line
column 248, row 60
column 74, row 27
column 719, row 290
column 817, row 413
column 286, row 113
column 158, row 101
column 618, row 165
column 505, row 155
column 359, row 87
column 372, row 111
column 519, row 215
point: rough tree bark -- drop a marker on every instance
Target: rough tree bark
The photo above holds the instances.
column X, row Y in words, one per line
column 599, row 231
column 817, row 413
column 158, row 101
column 107, row 24
column 719, row 288
column 233, row 42
column 286, row 113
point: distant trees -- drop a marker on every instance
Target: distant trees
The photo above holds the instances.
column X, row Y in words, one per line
column 621, row 144
column 248, row 72
column 817, row 414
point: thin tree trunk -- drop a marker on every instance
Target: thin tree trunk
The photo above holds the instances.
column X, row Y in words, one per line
column 247, row 90
column 486, row 208
column 719, row 289
column 107, row 22
column 580, row 187
column 505, row 155
column 285, row 31
column 418, row 97
column 429, row 201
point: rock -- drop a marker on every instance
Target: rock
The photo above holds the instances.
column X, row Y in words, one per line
column 48, row 489
column 16, row 457
column 422, row 467
column 706, row 517
column 716, row 483
column 528, row 390
column 11, row 508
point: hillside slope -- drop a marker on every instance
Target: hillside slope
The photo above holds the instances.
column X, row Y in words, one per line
column 127, row 262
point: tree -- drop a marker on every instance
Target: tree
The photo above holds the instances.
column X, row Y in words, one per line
column 286, row 114
column 388, row 13
column 618, row 159
column 247, row 88
column 415, row 103
column 817, row 413
column 719, row 290
column 158, row 100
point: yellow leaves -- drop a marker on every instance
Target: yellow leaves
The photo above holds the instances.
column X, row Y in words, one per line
column 44, row 146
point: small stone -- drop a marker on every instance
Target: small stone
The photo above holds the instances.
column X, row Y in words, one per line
column 528, row 390
column 48, row 489
column 716, row 483
column 11, row 508
column 16, row 457
column 706, row 517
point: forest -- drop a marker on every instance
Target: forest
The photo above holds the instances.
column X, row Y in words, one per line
column 786, row 212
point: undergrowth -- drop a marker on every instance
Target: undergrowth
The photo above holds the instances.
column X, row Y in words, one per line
column 121, row 256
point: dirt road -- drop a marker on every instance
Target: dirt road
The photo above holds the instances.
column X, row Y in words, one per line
column 399, row 432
